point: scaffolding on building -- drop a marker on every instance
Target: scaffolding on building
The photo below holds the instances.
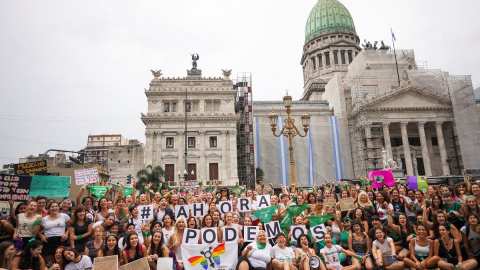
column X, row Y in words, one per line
column 245, row 142
column 367, row 143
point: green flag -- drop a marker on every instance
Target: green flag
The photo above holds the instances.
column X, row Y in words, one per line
column 317, row 220
column 298, row 209
column 98, row 191
column 286, row 220
column 126, row 190
column 266, row 214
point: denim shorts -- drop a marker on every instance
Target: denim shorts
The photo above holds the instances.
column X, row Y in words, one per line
column 390, row 259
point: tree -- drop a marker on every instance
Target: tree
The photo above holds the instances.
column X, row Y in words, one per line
column 152, row 175
column 259, row 173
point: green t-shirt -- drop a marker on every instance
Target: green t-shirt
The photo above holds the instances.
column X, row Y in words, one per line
column 455, row 207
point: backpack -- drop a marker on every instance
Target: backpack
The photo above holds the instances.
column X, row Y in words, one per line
column 175, row 263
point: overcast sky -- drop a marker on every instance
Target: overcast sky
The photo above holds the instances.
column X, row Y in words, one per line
column 73, row 68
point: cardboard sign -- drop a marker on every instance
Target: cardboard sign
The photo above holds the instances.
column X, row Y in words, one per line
column 244, row 205
column 272, row 229
column 182, row 211
column 145, row 212
column 50, row 186
column 86, row 176
column 136, row 265
column 31, row 168
column 346, row 204
column 106, row 263
column 164, row 263
column 14, row 187
column 209, row 235
column 198, row 209
column 191, row 236
column 263, row 201
column 250, row 233
column 318, row 232
column 230, row 234
column 225, row 206
column 297, row 230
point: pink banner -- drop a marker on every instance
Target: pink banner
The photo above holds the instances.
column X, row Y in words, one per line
column 382, row 177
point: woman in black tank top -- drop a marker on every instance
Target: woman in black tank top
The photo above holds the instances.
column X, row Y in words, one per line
column 448, row 250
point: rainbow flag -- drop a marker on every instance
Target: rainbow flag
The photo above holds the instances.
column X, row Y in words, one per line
column 199, row 259
column 417, row 182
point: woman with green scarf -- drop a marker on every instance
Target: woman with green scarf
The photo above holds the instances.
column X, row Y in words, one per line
column 257, row 254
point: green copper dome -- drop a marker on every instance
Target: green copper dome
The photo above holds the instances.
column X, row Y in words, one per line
column 327, row 16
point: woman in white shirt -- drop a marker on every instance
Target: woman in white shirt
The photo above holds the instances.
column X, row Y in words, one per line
column 28, row 224
column 282, row 256
column 54, row 232
column 256, row 255
column 331, row 255
column 383, row 251
column 76, row 261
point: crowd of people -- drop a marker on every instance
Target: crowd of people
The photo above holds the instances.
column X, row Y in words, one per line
column 388, row 228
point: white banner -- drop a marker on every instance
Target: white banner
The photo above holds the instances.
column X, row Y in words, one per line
column 210, row 256
column 86, row 176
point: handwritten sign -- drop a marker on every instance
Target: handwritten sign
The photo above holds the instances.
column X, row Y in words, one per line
column 106, row 263
column 31, row 168
column 86, row 176
column 346, row 204
column 189, row 184
column 330, row 202
column 50, row 186
column 138, row 264
column 14, row 187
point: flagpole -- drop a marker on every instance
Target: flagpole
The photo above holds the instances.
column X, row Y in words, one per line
column 396, row 63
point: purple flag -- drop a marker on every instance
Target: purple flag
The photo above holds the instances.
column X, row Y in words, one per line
column 382, row 177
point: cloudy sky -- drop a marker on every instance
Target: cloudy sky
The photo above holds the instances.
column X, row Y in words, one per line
column 73, row 68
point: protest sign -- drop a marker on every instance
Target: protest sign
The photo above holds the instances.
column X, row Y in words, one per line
column 191, row 236
column 98, row 191
column 31, row 168
column 50, row 186
column 263, row 201
column 417, row 182
column 209, row 256
column 182, row 211
column 297, row 230
column 145, row 212
column 86, row 176
column 230, row 234
column 249, row 233
column 244, row 205
column 382, row 177
column 14, row 187
column 346, row 204
column 189, row 184
column 225, row 206
column 136, row 265
column 198, row 209
column 164, row 263
column 318, row 232
column 330, row 202
column 209, row 235
column 106, row 263
column 272, row 229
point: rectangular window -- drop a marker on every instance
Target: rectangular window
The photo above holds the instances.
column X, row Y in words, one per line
column 208, row 106
column 314, row 63
column 320, row 63
column 342, row 57
column 195, row 106
column 213, row 141
column 335, row 57
column 191, row 142
column 216, row 106
column 434, row 141
column 327, row 59
column 174, row 107
column 188, row 106
column 166, row 107
column 350, row 57
column 169, row 172
column 169, row 142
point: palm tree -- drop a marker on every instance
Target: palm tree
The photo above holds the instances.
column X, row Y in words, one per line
column 152, row 175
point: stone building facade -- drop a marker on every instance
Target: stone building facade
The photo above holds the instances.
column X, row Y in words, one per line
column 207, row 107
column 124, row 160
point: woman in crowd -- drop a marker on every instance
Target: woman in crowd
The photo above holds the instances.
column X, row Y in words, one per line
column 93, row 246
column 383, row 251
column 382, row 206
column 406, row 232
column 6, row 230
column 361, row 216
column 54, row 232
column 7, row 250
column 87, row 202
column 79, row 230
column 168, row 227
column 469, row 207
column 367, row 206
column 75, row 260
column 107, row 222
column 437, row 205
column 331, row 255
column 359, row 243
column 229, row 224
column 176, row 240
column 28, row 224
column 134, row 219
column 420, row 201
column 282, row 256
column 303, row 253
column 440, row 218
column 470, row 237
column 14, row 212
column 448, row 251
column 157, row 249
column 134, row 250
column 58, row 264
column 257, row 254
column 65, row 207
column 111, row 249
column 421, row 250
column 192, row 223
column 216, row 219
column 30, row 258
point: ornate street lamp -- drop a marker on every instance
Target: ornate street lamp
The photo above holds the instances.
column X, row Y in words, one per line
column 289, row 129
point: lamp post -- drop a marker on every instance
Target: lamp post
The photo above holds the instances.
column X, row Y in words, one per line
column 289, row 129
column 449, row 160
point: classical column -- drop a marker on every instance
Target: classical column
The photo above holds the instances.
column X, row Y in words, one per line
column 223, row 167
column 423, row 142
column 179, row 144
column 149, row 146
column 406, row 148
column 203, row 144
column 233, row 176
column 324, row 61
column 368, row 137
column 386, row 137
column 441, row 147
